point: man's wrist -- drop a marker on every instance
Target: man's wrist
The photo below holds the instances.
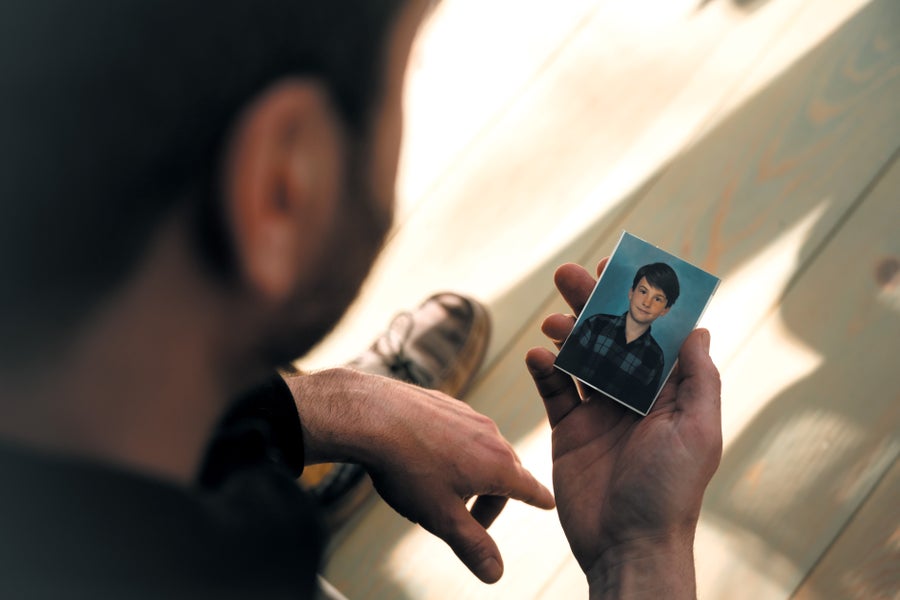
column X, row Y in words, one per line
column 336, row 414
column 652, row 567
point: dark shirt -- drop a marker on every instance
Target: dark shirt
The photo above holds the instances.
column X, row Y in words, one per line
column 597, row 353
column 70, row 528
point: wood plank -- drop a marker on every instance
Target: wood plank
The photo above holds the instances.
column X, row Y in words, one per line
column 864, row 562
column 806, row 443
column 569, row 582
column 805, row 450
column 756, row 196
column 755, row 287
column 619, row 101
column 833, row 160
column 522, row 421
column 463, row 75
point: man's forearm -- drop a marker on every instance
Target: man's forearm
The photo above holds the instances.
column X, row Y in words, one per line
column 339, row 414
column 650, row 568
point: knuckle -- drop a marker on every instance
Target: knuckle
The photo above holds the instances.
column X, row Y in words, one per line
column 475, row 549
column 445, row 524
column 485, row 421
column 504, row 455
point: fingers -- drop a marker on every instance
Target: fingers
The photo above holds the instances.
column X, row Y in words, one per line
column 467, row 534
column 472, row 544
column 557, row 327
column 575, row 285
column 487, row 508
column 555, row 387
column 525, row 488
column 699, row 394
column 699, row 389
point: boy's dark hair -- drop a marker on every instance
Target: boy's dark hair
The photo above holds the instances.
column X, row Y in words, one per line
column 662, row 276
column 114, row 112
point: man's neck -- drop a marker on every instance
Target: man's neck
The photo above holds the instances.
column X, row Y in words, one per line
column 141, row 387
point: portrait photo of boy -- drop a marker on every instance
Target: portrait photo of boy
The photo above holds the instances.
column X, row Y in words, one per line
column 623, row 343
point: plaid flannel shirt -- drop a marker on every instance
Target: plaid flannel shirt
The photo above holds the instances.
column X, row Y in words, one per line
column 597, row 353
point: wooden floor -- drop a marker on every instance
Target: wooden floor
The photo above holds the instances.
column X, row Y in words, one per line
column 757, row 139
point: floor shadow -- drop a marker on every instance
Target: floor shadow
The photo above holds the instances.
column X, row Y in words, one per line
column 814, row 451
column 817, row 118
column 744, row 5
column 819, row 447
column 785, row 461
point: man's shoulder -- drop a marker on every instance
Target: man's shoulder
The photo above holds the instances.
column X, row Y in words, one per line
column 161, row 536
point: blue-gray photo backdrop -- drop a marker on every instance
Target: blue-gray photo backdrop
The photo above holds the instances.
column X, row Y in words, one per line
column 611, row 294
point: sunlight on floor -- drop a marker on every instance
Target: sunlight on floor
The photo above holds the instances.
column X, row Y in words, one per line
column 491, row 249
column 877, row 460
column 762, row 277
column 743, row 567
column 510, row 167
column 799, row 450
column 787, row 360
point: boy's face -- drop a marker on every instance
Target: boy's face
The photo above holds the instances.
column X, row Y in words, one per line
column 646, row 302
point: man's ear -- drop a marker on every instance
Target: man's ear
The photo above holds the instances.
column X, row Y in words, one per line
column 282, row 183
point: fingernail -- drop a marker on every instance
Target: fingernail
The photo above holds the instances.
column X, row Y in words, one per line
column 705, row 339
column 490, row 570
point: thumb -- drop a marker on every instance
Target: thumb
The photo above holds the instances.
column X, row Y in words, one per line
column 699, row 387
column 472, row 544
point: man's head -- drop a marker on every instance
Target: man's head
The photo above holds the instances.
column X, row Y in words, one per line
column 653, row 292
column 272, row 127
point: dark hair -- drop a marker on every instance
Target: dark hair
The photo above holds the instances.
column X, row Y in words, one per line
column 114, row 112
column 662, row 276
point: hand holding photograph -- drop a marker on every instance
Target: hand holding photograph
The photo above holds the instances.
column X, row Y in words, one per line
column 627, row 338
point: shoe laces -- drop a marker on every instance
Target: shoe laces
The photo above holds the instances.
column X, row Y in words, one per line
column 401, row 365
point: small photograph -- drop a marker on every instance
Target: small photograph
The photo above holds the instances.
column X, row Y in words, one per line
column 626, row 340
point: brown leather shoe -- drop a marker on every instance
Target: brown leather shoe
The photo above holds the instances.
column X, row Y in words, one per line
column 440, row 346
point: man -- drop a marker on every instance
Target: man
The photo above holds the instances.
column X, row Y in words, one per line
column 617, row 353
column 192, row 195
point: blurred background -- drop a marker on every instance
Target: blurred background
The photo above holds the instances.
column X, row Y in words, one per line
column 756, row 139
